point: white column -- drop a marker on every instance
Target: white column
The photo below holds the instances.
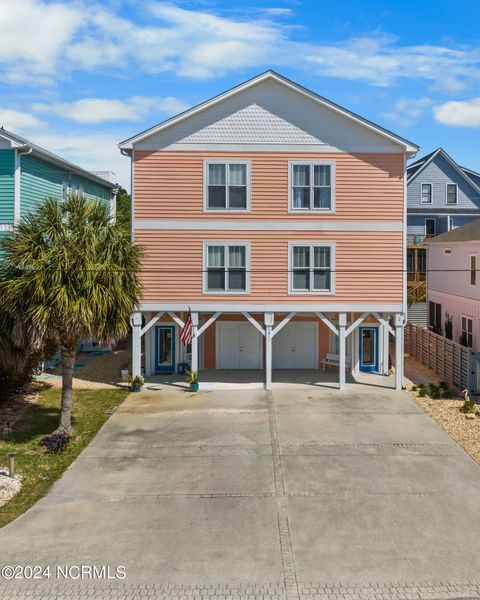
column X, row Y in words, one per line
column 194, row 341
column 385, row 347
column 136, row 323
column 268, row 321
column 147, row 347
column 342, row 323
column 399, row 325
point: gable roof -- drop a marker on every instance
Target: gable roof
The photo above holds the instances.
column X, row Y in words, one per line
column 24, row 144
column 467, row 233
column 409, row 147
column 418, row 166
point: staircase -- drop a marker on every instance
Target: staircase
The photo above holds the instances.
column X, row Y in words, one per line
column 417, row 314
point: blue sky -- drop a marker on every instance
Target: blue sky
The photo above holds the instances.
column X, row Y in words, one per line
column 79, row 76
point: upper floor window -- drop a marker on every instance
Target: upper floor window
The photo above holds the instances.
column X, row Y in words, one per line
column 451, row 193
column 310, row 268
column 312, row 186
column 227, row 186
column 226, row 267
column 426, row 189
column 466, row 338
column 473, row 269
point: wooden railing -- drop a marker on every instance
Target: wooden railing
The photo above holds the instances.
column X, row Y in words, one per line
column 418, row 238
column 416, row 291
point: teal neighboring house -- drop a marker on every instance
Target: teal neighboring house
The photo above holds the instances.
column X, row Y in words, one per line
column 29, row 173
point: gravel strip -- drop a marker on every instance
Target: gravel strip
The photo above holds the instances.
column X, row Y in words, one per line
column 9, row 486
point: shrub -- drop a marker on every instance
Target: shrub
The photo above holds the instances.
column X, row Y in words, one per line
column 55, row 442
column 469, row 405
column 422, row 392
column 444, row 385
column 434, row 391
column 414, row 388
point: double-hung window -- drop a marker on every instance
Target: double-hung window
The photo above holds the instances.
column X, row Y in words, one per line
column 426, row 193
column 226, row 267
column 312, row 186
column 227, row 186
column 451, row 192
column 467, row 332
column 311, row 268
column 473, row 269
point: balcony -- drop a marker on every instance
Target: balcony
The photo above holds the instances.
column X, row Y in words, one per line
column 418, row 239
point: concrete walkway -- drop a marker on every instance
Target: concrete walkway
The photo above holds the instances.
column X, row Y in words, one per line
column 299, row 493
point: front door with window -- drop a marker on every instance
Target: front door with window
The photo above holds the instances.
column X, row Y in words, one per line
column 368, row 349
column 165, row 349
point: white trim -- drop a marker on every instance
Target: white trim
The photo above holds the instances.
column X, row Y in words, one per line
column 208, row 323
column 446, row 194
column 226, row 243
column 327, row 322
column 409, row 147
column 404, row 237
column 422, row 183
column 290, row 225
column 151, row 323
column 184, row 146
column 310, row 307
column 449, row 214
column 356, row 323
column 384, row 322
column 16, row 188
column 226, row 161
column 174, row 317
column 6, row 227
column 311, row 164
column 294, row 292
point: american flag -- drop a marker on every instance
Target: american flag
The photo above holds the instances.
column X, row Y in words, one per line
column 186, row 333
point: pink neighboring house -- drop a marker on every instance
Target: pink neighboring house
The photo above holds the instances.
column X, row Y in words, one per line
column 453, row 284
column 278, row 218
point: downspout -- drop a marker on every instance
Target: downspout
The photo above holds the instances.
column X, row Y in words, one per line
column 17, row 182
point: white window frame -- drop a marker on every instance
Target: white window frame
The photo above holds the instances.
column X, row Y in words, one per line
column 291, row 246
column 311, row 164
column 421, row 193
column 230, row 161
column 446, row 195
column 467, row 318
column 471, row 270
column 226, row 244
column 66, row 189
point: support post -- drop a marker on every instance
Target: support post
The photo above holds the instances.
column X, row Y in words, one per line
column 268, row 321
column 136, row 323
column 399, row 327
column 385, row 347
column 342, row 325
column 194, row 316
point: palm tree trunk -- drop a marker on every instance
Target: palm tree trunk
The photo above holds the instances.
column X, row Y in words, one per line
column 68, row 361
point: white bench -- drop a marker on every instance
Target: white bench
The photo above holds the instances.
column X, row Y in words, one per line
column 333, row 360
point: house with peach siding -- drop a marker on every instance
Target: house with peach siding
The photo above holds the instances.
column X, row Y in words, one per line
column 278, row 219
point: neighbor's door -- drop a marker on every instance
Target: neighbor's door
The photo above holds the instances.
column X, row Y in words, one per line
column 368, row 349
column 165, row 348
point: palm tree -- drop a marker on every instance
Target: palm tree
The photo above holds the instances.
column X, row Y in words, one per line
column 69, row 273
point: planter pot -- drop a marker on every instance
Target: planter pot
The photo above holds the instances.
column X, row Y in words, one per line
column 194, row 387
column 124, row 374
column 136, row 388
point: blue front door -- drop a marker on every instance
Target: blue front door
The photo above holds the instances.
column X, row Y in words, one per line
column 165, row 348
column 368, row 349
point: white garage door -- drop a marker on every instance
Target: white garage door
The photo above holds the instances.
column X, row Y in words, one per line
column 295, row 346
column 239, row 346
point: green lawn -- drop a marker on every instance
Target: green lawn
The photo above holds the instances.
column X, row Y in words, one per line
column 39, row 470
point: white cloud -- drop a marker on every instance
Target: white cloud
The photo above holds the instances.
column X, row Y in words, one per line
column 45, row 40
column 17, row 120
column 407, row 111
column 464, row 113
column 98, row 110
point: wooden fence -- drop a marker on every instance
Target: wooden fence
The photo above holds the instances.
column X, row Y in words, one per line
column 452, row 362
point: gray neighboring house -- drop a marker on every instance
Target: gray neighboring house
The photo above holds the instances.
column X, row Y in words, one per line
column 441, row 196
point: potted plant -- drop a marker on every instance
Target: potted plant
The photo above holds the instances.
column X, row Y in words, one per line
column 192, row 379
column 136, row 383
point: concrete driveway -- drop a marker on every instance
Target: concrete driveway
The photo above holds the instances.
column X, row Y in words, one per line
column 303, row 493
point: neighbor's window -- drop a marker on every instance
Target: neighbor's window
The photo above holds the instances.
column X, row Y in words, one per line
column 426, row 193
column 451, row 193
column 473, row 269
column 226, row 267
column 435, row 317
column 447, row 251
column 226, row 186
column 467, row 332
column 311, row 267
column 312, row 186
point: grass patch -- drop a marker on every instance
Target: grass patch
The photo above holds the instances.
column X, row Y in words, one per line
column 39, row 470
